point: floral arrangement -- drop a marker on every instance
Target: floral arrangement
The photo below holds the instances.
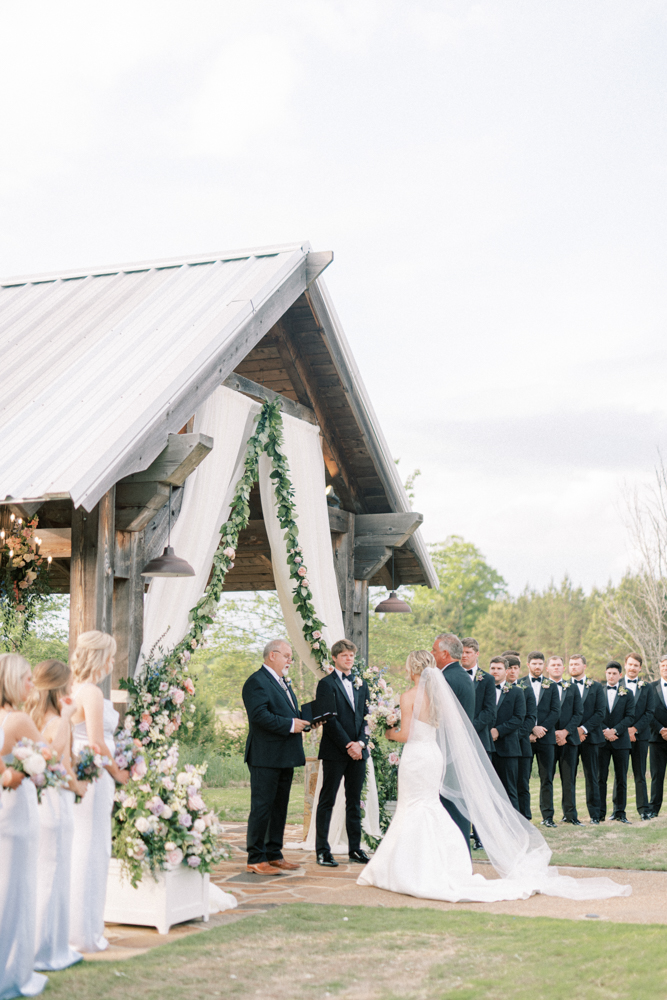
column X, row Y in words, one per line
column 88, row 765
column 23, row 580
column 41, row 765
column 622, row 691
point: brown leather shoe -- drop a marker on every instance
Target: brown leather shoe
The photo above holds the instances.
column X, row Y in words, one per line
column 263, row 868
column 287, row 866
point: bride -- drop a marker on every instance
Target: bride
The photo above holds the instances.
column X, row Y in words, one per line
column 424, row 853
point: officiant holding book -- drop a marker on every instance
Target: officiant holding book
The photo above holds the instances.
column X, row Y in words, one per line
column 343, row 752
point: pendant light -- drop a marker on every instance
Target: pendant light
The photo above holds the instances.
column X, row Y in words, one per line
column 393, row 604
column 168, row 564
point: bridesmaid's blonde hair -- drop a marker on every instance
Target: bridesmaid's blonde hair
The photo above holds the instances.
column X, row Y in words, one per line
column 93, row 651
column 13, row 669
column 50, row 679
column 418, row 660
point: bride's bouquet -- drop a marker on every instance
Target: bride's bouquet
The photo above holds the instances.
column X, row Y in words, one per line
column 40, row 764
column 129, row 751
column 384, row 712
column 88, row 765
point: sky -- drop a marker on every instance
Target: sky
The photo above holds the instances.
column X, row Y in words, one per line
column 490, row 176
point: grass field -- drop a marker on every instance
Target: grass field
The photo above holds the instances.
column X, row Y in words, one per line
column 302, row 952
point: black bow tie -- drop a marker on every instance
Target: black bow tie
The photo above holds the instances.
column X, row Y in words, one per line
column 469, row 672
column 612, row 687
column 498, row 687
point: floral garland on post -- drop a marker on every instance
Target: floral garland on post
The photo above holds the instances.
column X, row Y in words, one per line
column 23, row 581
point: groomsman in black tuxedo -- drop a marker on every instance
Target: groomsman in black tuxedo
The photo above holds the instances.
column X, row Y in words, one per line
column 658, row 740
column 593, row 700
column 640, row 730
column 567, row 736
column 273, row 749
column 343, row 752
column 447, row 651
column 485, row 693
column 525, row 762
column 510, row 714
column 543, row 737
column 618, row 717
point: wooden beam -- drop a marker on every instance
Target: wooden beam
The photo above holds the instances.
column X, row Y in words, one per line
column 344, row 566
column 369, row 560
column 360, row 619
column 56, row 542
column 128, row 602
column 249, row 388
column 316, row 262
column 385, row 529
column 138, row 503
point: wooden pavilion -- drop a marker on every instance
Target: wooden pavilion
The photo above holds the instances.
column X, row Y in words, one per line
column 103, row 371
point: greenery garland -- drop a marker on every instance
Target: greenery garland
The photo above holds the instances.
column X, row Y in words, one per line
column 23, row 582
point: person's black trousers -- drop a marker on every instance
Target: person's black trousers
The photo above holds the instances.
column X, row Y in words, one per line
column 638, row 755
column 621, row 760
column 566, row 758
column 507, row 769
column 525, row 766
column 588, row 755
column 354, row 773
column 460, row 820
column 269, row 800
column 658, row 759
column 545, row 766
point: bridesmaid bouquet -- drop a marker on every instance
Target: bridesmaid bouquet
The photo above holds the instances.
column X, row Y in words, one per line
column 40, row 764
column 88, row 764
column 129, row 751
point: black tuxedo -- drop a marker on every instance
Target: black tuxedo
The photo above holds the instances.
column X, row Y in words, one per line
column 461, row 684
column 484, row 686
column 658, row 746
column 348, row 726
column 272, row 752
column 525, row 761
column 548, row 711
column 619, row 718
column 639, row 749
column 593, row 702
column 571, row 713
column 510, row 714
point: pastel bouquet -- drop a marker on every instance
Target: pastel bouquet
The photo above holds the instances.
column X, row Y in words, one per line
column 40, row 764
column 128, row 751
column 88, row 765
column 384, row 712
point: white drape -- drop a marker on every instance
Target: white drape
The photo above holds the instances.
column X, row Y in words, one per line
column 302, row 448
column 227, row 416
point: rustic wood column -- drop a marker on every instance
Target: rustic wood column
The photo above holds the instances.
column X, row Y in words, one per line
column 342, row 541
column 360, row 625
column 92, row 572
column 128, row 602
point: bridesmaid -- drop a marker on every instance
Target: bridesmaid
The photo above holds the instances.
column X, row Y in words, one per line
column 19, row 833
column 52, row 681
column 95, row 721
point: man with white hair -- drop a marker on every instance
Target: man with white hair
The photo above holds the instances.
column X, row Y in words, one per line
column 447, row 650
column 273, row 749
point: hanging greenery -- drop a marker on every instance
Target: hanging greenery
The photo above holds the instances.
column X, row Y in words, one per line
column 23, row 582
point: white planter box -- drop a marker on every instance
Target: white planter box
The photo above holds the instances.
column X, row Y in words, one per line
column 178, row 894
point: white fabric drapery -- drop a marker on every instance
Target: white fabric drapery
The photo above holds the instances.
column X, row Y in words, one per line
column 227, row 416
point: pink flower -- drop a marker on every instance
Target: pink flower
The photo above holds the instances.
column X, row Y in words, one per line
column 317, row 634
column 196, row 802
column 140, row 851
column 139, row 769
column 169, row 729
column 393, row 758
column 189, row 686
column 146, row 717
column 194, row 861
column 177, row 696
column 316, row 645
column 175, row 857
column 301, row 571
column 229, row 552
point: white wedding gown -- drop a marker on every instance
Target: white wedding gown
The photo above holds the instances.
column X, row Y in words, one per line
column 91, row 847
column 19, row 834
column 54, row 862
column 425, row 854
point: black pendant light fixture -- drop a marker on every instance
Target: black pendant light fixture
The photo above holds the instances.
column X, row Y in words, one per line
column 393, row 604
column 168, row 564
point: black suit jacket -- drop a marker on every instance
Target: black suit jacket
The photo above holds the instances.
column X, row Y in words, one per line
column 270, row 713
column 510, row 714
column 659, row 717
column 548, row 709
column 484, row 686
column 349, row 725
column 643, row 710
column 571, row 712
column 528, row 723
column 461, row 684
column 621, row 716
column 593, row 701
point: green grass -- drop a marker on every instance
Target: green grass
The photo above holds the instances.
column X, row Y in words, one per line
column 233, row 803
column 301, row 952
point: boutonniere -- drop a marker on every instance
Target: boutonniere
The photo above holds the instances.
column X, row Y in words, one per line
column 358, row 682
column 622, row 691
column 566, row 685
column 641, row 684
column 588, row 684
column 480, row 675
column 546, row 683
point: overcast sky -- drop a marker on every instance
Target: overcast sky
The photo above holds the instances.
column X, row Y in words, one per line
column 491, row 178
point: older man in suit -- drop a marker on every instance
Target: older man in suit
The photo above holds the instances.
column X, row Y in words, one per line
column 447, row 650
column 640, row 730
column 658, row 740
column 273, row 749
column 618, row 717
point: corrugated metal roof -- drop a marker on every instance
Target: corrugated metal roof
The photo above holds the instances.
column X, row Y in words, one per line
column 92, row 362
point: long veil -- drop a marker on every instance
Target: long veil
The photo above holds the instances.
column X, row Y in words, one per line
column 516, row 848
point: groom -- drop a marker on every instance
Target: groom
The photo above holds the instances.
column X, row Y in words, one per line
column 447, row 650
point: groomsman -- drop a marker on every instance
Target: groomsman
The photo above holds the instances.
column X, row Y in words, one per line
column 590, row 733
column 510, row 713
column 543, row 737
column 485, row 693
column 658, row 739
column 447, row 651
column 567, row 736
column 640, row 730
column 618, row 717
column 525, row 762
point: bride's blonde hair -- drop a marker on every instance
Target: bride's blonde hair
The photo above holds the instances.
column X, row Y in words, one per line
column 418, row 660
column 93, row 651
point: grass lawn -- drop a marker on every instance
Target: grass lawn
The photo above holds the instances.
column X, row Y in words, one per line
column 301, row 952
column 233, row 803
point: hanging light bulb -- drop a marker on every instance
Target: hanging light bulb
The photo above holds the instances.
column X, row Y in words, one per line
column 168, row 564
column 393, row 604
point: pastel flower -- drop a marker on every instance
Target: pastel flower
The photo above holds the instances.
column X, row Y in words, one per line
column 199, row 825
column 196, row 802
column 177, row 696
column 302, row 571
column 34, row 764
column 185, row 819
column 317, row 634
column 189, row 686
column 193, row 861
column 142, row 824
column 167, row 811
column 175, row 856
column 139, row 769
column 393, row 758
column 229, row 552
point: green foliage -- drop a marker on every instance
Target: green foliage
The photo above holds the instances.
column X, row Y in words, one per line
column 24, row 581
column 203, row 731
column 48, row 638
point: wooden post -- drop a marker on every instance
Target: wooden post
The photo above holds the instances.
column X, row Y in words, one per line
column 128, row 602
column 360, row 626
column 92, row 572
column 343, row 553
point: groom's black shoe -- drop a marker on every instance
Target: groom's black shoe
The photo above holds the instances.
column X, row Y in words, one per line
column 326, row 858
column 595, row 822
column 550, row 824
column 360, row 857
column 572, row 822
column 621, row 818
column 477, row 844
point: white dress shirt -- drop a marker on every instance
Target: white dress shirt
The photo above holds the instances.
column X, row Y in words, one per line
column 611, row 695
column 559, row 688
column 631, row 685
column 663, row 688
column 581, row 682
column 537, row 683
column 499, row 691
column 472, row 671
column 347, row 684
column 284, row 686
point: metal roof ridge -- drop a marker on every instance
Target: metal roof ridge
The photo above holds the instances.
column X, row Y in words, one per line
column 146, row 265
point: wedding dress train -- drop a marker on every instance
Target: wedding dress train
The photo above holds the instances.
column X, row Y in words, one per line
column 425, row 854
